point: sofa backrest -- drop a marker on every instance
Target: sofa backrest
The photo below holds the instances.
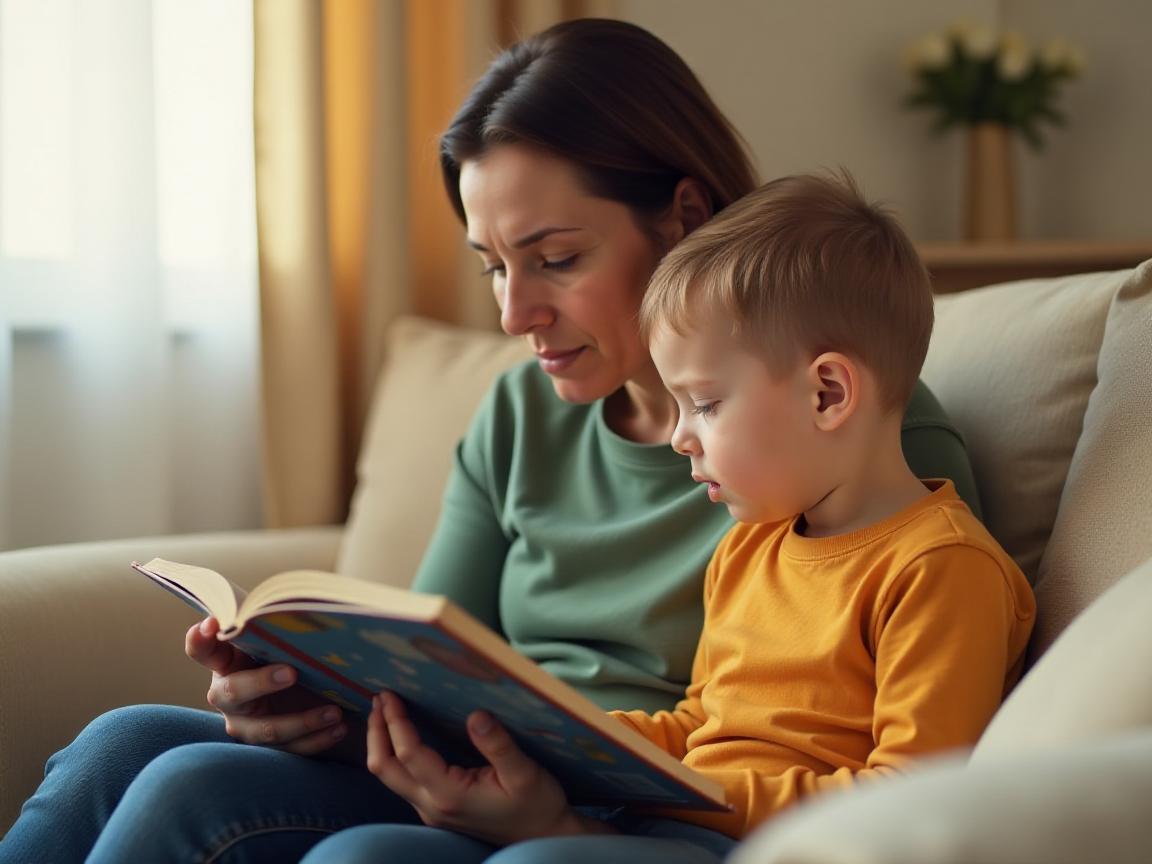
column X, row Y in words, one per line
column 1050, row 381
column 1013, row 365
column 1047, row 379
column 1103, row 527
column 433, row 379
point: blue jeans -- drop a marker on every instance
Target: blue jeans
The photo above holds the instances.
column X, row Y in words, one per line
column 642, row 841
column 158, row 783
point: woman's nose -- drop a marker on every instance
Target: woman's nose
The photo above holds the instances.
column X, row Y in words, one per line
column 522, row 307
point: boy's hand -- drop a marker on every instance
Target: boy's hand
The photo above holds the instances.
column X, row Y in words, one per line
column 260, row 704
column 510, row 799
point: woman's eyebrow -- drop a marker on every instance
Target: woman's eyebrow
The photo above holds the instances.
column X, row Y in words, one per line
column 527, row 240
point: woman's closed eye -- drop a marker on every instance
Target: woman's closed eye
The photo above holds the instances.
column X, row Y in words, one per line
column 559, row 264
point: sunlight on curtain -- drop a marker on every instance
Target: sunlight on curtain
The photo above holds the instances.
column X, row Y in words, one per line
column 128, row 298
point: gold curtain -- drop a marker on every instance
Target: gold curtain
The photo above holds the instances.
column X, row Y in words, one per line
column 353, row 226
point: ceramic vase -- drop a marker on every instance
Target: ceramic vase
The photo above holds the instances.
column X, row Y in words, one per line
column 990, row 193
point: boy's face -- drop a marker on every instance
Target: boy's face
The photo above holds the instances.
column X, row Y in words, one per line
column 750, row 434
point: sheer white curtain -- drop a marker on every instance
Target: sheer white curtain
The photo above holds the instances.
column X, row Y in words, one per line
column 128, row 287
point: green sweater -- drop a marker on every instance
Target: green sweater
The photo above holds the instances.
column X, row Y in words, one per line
column 586, row 550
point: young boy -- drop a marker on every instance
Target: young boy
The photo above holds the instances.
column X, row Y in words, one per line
column 858, row 618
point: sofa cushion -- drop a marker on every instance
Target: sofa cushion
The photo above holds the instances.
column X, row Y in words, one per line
column 1087, row 803
column 1013, row 365
column 1092, row 682
column 433, row 378
column 1104, row 524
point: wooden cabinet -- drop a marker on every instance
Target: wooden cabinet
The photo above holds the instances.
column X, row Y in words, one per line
column 960, row 266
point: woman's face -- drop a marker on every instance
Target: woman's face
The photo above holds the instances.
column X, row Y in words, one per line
column 568, row 269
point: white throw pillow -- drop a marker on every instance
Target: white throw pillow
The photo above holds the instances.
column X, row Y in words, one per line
column 1013, row 365
column 1104, row 525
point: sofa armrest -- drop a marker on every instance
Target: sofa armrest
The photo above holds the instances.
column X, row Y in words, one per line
column 81, row 633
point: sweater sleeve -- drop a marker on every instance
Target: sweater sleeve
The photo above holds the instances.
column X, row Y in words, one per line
column 669, row 730
column 465, row 557
column 948, row 636
column 949, row 640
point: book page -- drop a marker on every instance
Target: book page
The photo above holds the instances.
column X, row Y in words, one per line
column 318, row 586
column 201, row 588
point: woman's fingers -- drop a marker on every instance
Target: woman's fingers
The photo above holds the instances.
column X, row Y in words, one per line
column 382, row 759
column 317, row 742
column 242, row 691
column 511, row 798
column 425, row 765
column 201, row 644
column 304, row 732
column 238, row 692
column 515, row 771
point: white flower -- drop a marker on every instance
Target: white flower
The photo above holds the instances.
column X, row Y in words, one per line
column 928, row 52
column 1015, row 57
column 1062, row 56
column 1055, row 53
column 977, row 40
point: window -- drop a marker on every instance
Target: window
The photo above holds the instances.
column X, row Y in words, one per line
column 127, row 268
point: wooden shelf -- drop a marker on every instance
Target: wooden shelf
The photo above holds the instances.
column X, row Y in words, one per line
column 960, row 266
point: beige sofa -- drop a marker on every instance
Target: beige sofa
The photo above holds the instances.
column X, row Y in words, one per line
column 1050, row 381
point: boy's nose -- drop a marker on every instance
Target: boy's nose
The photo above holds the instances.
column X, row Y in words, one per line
column 684, row 442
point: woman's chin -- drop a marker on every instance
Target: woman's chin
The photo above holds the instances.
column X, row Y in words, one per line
column 579, row 392
column 583, row 386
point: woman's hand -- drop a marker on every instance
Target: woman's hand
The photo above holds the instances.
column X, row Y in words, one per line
column 260, row 704
column 510, row 799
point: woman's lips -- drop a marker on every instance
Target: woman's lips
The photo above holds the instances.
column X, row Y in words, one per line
column 555, row 362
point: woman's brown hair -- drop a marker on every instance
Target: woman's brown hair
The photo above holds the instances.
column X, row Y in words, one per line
column 615, row 101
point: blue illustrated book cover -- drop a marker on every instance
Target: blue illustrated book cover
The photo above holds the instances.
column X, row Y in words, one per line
column 350, row 639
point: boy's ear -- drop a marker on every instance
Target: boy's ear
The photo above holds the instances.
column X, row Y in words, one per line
column 835, row 381
column 691, row 207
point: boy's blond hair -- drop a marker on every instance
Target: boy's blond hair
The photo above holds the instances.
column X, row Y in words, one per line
column 804, row 265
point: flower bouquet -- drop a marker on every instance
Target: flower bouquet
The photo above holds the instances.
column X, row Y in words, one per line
column 970, row 74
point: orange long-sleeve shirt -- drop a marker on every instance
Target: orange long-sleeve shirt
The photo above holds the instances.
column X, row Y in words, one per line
column 825, row 661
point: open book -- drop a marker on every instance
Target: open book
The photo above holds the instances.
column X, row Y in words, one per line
column 350, row 639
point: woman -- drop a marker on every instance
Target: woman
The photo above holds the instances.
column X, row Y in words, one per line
column 569, row 524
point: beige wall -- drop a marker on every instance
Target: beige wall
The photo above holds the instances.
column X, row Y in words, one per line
column 1094, row 177
column 814, row 83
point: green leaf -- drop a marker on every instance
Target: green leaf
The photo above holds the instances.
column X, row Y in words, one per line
column 1031, row 136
